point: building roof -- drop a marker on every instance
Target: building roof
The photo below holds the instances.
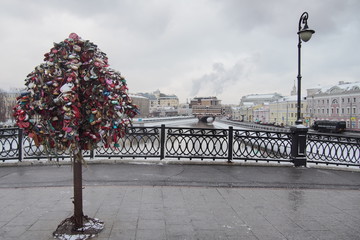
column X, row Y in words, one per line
column 261, row 96
column 152, row 96
column 147, row 95
column 137, row 96
column 340, row 87
column 289, row 98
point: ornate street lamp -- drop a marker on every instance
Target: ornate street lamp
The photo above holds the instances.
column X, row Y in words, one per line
column 304, row 35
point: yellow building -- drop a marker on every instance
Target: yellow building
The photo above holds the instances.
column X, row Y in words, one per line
column 284, row 111
column 161, row 104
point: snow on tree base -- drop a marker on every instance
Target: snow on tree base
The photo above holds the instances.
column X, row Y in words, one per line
column 67, row 231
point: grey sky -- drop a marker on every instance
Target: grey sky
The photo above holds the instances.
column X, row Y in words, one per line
column 227, row 48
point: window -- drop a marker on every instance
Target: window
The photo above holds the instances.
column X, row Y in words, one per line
column 348, row 110
column 348, row 100
column 323, row 111
column 354, row 110
column 343, row 100
column 354, row 99
column 327, row 101
column 327, row 111
column 342, row 111
column 323, row 101
column 337, row 110
column 332, row 111
column 334, row 101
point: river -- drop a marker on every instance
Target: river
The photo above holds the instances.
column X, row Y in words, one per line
column 190, row 123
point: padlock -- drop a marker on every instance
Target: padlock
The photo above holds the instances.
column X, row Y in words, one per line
column 74, row 83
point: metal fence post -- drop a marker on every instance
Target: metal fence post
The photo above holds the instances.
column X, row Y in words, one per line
column 20, row 143
column 162, row 142
column 298, row 145
column 92, row 153
column 230, row 142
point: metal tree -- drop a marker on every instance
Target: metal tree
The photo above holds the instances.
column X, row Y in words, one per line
column 75, row 102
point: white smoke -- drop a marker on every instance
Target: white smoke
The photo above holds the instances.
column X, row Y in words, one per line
column 220, row 77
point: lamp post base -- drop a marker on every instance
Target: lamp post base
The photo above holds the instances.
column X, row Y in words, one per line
column 298, row 146
column 299, row 161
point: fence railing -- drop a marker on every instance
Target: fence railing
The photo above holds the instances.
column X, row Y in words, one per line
column 333, row 149
column 205, row 144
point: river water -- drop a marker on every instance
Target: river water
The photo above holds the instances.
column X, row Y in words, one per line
column 191, row 123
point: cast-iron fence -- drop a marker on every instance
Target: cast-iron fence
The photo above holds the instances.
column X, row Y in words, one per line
column 197, row 143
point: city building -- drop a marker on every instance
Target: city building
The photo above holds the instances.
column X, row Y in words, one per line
column 160, row 104
column 143, row 104
column 166, row 100
column 339, row 102
column 256, row 99
column 246, row 111
column 283, row 112
column 261, row 113
column 236, row 114
column 256, row 107
column 227, row 110
column 184, row 109
column 206, row 106
column 7, row 102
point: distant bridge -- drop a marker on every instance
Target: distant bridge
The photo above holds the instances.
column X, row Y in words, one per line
column 206, row 118
column 207, row 113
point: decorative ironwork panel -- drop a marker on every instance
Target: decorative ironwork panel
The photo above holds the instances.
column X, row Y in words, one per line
column 256, row 145
column 138, row 141
column 9, row 143
column 333, row 149
column 31, row 151
column 196, row 143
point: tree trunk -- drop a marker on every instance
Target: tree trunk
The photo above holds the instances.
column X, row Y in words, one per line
column 78, row 200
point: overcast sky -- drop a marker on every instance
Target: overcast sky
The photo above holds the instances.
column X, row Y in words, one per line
column 223, row 48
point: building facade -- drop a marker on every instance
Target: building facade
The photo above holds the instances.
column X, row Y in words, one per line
column 144, row 105
column 7, row 102
column 161, row 105
column 261, row 113
column 256, row 99
column 206, row 106
column 256, row 107
column 184, row 109
column 284, row 111
column 339, row 102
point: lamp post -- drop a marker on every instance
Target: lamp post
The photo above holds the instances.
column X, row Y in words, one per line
column 304, row 34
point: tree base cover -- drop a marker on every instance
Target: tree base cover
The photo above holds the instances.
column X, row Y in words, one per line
column 67, row 231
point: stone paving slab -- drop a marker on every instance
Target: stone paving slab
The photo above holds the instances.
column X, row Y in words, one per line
column 180, row 212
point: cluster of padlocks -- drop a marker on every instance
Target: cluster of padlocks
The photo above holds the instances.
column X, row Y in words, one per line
column 74, row 100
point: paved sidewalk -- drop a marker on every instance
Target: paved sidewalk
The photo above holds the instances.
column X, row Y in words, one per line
column 184, row 202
